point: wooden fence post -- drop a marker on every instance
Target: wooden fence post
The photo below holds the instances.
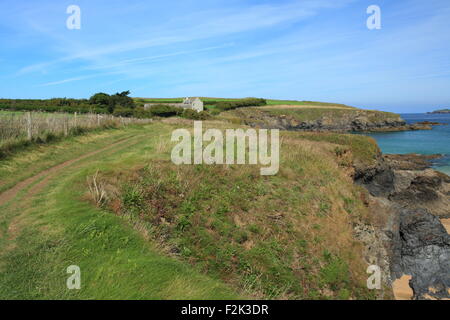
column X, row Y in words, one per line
column 66, row 126
column 75, row 120
column 29, row 126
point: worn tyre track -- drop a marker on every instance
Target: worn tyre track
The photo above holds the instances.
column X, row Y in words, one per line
column 46, row 175
column 10, row 194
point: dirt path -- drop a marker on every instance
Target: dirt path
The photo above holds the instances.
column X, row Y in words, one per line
column 8, row 195
column 14, row 227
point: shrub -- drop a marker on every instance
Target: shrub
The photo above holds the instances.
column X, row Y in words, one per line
column 165, row 111
column 98, row 103
column 120, row 100
column 141, row 113
column 123, row 112
column 194, row 115
column 248, row 102
column 100, row 98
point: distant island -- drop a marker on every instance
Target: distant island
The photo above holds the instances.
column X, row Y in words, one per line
column 440, row 111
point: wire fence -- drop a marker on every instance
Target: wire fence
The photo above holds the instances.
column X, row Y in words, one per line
column 32, row 125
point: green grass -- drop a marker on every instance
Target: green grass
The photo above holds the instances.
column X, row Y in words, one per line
column 29, row 161
column 365, row 150
column 262, row 235
column 5, row 113
column 187, row 232
column 305, row 103
column 37, row 114
column 59, row 228
column 311, row 114
column 269, row 101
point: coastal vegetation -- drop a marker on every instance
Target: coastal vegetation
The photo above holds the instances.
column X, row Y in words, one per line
column 98, row 103
column 141, row 227
column 313, row 112
column 20, row 130
column 165, row 231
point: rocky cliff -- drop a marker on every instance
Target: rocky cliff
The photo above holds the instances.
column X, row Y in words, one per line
column 324, row 119
column 407, row 200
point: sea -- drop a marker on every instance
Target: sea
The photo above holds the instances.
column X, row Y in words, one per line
column 436, row 141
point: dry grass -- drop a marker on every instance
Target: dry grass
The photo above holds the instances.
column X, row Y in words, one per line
column 18, row 129
column 96, row 190
column 288, row 106
column 284, row 237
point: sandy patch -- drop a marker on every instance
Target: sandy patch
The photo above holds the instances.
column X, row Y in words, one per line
column 402, row 290
column 446, row 223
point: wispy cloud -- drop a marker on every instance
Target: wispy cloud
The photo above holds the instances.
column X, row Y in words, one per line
column 157, row 57
column 308, row 49
column 212, row 24
column 58, row 82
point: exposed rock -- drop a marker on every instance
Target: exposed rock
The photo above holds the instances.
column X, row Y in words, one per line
column 375, row 252
column 425, row 254
column 407, row 201
column 402, row 179
column 427, row 189
column 378, row 179
column 357, row 121
column 410, row 161
column 432, row 123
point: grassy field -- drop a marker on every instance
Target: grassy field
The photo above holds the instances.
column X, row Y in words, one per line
column 21, row 129
column 305, row 103
column 197, row 232
column 314, row 113
column 331, row 114
column 209, row 103
column 44, row 233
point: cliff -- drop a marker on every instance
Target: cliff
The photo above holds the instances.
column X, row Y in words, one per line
column 407, row 200
column 336, row 119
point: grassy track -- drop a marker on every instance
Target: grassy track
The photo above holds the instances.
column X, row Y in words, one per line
column 49, row 226
column 187, row 232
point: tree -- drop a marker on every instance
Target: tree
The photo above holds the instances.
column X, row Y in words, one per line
column 100, row 98
column 114, row 101
column 124, row 93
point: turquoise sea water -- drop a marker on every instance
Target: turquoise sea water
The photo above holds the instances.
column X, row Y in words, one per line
column 436, row 141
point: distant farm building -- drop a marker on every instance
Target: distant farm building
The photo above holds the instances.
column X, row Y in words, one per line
column 188, row 103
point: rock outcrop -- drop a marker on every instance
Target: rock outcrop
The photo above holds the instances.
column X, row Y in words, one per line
column 407, row 200
column 408, row 181
column 443, row 111
column 351, row 121
column 425, row 254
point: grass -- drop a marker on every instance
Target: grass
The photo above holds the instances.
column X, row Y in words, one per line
column 58, row 228
column 305, row 103
column 364, row 150
column 20, row 130
column 29, row 161
column 335, row 116
column 313, row 113
column 226, row 221
column 197, row 232
column 269, row 101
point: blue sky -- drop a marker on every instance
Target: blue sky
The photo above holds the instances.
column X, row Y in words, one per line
column 288, row 49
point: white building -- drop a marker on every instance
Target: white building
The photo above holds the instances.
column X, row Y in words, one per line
column 193, row 103
column 188, row 103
